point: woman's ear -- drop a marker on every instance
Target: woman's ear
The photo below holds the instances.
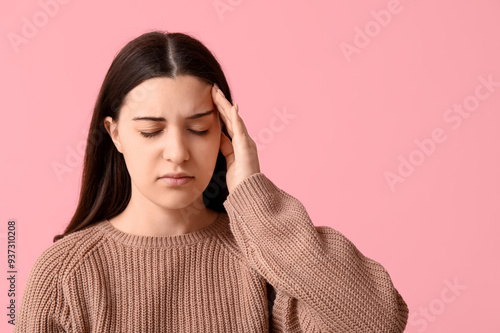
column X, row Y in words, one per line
column 112, row 128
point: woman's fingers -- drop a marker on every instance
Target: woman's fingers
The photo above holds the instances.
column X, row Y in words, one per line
column 238, row 124
column 234, row 123
column 240, row 150
column 225, row 108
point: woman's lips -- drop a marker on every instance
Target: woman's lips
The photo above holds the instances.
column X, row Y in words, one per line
column 176, row 181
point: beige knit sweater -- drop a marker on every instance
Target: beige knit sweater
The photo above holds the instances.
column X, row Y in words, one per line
column 101, row 279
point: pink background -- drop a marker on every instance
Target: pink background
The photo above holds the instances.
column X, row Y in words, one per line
column 354, row 116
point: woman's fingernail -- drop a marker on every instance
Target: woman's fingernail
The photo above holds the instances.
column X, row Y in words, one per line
column 218, row 89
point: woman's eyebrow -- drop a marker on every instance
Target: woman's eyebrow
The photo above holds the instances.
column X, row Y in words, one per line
column 194, row 116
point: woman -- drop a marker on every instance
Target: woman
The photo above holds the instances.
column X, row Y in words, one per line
column 178, row 230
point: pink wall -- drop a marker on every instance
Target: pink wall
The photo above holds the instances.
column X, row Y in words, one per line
column 392, row 135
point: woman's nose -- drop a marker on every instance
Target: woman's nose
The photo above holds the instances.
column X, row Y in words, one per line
column 175, row 147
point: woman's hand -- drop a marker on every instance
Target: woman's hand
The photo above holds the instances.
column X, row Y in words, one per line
column 240, row 153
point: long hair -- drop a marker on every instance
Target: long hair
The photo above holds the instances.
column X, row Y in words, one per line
column 106, row 185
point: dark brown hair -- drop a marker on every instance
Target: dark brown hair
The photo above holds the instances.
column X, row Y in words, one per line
column 106, row 185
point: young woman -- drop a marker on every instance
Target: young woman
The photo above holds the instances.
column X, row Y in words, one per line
column 178, row 230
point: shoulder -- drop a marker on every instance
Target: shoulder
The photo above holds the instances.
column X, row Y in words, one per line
column 331, row 234
column 61, row 258
column 46, row 299
column 227, row 240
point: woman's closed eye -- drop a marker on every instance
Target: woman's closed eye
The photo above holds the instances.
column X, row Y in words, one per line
column 153, row 134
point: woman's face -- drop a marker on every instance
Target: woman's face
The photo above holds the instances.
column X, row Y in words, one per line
column 159, row 132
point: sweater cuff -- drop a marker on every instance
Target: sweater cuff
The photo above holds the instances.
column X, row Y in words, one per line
column 255, row 187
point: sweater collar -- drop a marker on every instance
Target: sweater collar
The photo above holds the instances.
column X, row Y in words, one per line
column 219, row 225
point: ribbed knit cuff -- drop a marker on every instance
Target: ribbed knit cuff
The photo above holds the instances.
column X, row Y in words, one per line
column 254, row 187
column 268, row 220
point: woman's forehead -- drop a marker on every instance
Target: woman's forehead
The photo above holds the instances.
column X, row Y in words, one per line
column 167, row 97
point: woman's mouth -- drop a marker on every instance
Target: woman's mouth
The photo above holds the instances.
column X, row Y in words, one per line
column 176, row 181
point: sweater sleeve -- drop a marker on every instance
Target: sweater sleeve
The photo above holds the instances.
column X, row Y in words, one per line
column 42, row 308
column 342, row 290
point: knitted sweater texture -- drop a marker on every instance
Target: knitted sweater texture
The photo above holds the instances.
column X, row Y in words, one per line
column 101, row 279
